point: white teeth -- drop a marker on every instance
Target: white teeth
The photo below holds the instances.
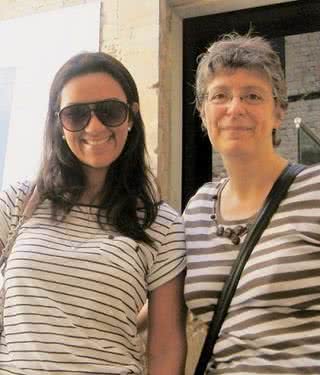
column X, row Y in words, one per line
column 98, row 142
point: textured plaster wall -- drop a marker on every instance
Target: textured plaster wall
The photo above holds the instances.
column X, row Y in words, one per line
column 129, row 30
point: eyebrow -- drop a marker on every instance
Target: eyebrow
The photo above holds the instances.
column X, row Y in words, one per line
column 248, row 87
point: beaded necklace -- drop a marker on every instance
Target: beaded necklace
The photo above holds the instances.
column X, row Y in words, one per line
column 233, row 233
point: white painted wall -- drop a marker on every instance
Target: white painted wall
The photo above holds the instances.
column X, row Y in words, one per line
column 37, row 46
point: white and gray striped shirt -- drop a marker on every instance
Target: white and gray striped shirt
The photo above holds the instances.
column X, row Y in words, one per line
column 273, row 324
column 73, row 290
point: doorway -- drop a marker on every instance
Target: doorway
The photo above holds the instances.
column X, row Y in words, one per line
column 274, row 22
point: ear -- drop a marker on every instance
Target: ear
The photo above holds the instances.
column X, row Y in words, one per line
column 135, row 107
column 204, row 124
column 63, row 135
column 280, row 114
column 133, row 110
column 202, row 114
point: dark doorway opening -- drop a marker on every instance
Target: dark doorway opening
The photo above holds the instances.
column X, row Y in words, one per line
column 274, row 22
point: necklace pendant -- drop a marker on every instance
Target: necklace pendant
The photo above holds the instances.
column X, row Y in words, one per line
column 235, row 239
column 228, row 232
column 238, row 230
column 220, row 231
column 234, row 234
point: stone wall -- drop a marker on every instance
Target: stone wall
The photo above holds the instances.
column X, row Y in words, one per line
column 131, row 33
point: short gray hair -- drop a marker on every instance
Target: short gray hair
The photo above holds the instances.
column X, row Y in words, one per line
column 234, row 51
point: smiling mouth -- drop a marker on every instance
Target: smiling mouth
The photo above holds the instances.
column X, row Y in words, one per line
column 236, row 128
column 96, row 142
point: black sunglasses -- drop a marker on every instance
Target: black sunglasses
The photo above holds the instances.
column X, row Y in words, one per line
column 110, row 112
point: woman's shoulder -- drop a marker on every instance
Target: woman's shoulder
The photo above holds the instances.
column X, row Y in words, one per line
column 166, row 216
column 168, row 221
column 310, row 174
column 313, row 168
column 167, row 213
column 204, row 194
column 13, row 198
column 17, row 191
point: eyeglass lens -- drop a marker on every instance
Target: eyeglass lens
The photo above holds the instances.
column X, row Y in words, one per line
column 110, row 112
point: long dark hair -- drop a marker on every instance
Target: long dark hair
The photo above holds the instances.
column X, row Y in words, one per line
column 129, row 187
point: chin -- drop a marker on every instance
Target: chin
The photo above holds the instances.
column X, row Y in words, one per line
column 236, row 152
column 96, row 165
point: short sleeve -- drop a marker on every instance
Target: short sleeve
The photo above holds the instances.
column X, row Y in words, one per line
column 11, row 200
column 170, row 256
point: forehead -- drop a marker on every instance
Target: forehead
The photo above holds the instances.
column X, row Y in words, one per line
column 91, row 87
column 240, row 79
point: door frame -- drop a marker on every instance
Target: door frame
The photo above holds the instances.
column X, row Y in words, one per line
column 172, row 13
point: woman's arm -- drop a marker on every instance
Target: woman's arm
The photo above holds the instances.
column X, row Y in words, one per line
column 142, row 319
column 167, row 343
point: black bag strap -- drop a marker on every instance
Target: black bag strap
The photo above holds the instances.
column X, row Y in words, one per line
column 275, row 196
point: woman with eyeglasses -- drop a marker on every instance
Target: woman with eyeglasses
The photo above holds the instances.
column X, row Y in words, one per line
column 99, row 242
column 273, row 323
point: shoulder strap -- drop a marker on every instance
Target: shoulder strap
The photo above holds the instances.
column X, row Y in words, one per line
column 277, row 193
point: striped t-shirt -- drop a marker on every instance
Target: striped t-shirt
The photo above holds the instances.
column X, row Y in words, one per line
column 273, row 323
column 73, row 290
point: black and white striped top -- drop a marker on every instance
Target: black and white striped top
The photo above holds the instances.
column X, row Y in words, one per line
column 73, row 291
column 273, row 324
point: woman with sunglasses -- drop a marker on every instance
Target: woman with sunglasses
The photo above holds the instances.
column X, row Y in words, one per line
column 99, row 241
column 273, row 323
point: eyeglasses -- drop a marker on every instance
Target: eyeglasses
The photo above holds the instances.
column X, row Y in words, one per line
column 222, row 97
column 110, row 112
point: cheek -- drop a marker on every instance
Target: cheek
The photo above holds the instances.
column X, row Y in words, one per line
column 73, row 143
column 71, row 140
column 211, row 120
column 212, row 132
column 120, row 138
column 212, row 115
column 66, row 138
column 122, row 134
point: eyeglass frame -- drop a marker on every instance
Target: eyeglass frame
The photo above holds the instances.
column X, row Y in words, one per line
column 134, row 107
column 243, row 98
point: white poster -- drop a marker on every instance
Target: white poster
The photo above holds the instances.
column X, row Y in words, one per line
column 35, row 47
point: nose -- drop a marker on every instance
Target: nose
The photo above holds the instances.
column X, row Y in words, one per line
column 94, row 123
column 236, row 105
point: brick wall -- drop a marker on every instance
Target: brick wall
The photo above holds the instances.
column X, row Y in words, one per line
column 303, row 78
